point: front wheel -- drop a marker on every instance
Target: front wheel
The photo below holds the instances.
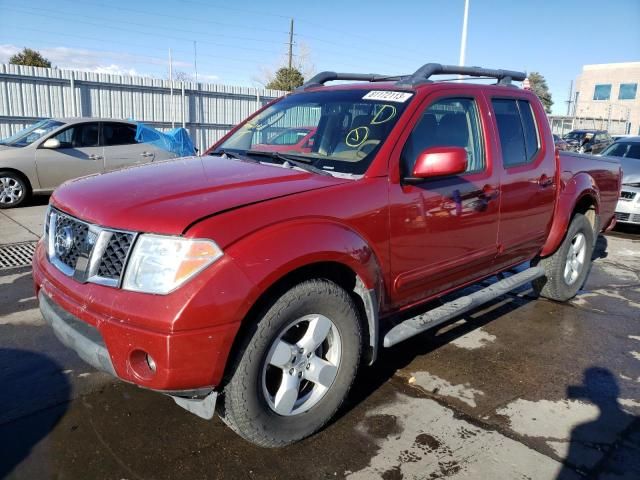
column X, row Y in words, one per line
column 296, row 369
column 567, row 269
column 13, row 190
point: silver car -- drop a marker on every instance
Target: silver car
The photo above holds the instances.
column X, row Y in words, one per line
column 39, row 158
column 627, row 152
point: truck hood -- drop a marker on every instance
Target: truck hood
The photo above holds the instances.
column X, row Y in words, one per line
column 168, row 197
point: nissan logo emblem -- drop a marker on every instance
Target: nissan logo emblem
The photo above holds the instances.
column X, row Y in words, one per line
column 64, row 241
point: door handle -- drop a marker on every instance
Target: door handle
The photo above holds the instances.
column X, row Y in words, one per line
column 490, row 192
column 95, row 157
column 544, row 181
column 146, row 154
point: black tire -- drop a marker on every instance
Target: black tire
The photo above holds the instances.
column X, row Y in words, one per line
column 245, row 407
column 11, row 182
column 554, row 285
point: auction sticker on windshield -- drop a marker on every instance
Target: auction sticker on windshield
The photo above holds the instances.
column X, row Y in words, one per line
column 388, row 95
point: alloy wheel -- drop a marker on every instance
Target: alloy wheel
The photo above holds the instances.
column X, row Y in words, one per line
column 301, row 365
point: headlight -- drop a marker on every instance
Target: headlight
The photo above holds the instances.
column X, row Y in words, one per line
column 160, row 264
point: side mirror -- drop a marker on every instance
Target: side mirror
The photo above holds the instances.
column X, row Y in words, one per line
column 52, row 143
column 438, row 162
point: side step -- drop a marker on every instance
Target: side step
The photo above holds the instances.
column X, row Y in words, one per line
column 432, row 318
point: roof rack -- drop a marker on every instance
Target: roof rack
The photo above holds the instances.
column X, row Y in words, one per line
column 423, row 74
column 323, row 77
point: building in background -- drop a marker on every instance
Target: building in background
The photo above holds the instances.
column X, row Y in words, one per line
column 607, row 95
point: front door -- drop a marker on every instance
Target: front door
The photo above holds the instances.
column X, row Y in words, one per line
column 444, row 230
column 79, row 154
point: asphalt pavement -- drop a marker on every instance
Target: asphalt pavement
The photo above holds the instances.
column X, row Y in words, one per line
column 524, row 388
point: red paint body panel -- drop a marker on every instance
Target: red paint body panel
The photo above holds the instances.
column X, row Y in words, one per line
column 408, row 242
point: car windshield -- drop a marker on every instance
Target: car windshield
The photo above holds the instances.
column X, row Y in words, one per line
column 338, row 131
column 32, row 133
column 574, row 135
column 623, row 149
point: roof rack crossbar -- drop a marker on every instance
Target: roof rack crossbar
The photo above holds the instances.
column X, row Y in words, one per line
column 323, row 77
column 423, row 74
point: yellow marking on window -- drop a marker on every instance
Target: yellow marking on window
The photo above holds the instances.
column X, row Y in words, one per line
column 389, row 113
column 357, row 136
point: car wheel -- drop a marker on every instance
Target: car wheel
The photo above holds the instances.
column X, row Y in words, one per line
column 296, row 369
column 567, row 269
column 13, row 190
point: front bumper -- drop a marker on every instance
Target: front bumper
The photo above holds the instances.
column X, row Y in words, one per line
column 87, row 342
column 188, row 334
column 628, row 207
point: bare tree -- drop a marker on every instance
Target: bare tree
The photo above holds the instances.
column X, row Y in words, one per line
column 302, row 62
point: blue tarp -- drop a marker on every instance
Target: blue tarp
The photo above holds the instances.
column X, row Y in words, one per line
column 176, row 140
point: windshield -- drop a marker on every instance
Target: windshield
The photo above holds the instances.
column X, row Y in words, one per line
column 30, row 134
column 623, row 149
column 336, row 130
column 574, row 135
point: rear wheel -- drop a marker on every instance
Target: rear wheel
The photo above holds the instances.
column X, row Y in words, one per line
column 297, row 368
column 13, row 190
column 567, row 269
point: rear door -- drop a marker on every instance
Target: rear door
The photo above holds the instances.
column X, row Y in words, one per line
column 444, row 230
column 528, row 178
column 79, row 154
column 120, row 146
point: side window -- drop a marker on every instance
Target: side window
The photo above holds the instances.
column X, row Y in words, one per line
column 531, row 137
column 517, row 130
column 451, row 122
column 118, row 134
column 78, row 136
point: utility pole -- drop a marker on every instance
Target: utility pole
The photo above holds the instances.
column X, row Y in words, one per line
column 570, row 100
column 173, row 123
column 291, row 44
column 463, row 40
column 195, row 60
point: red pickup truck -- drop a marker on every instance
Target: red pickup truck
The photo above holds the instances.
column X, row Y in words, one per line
column 268, row 277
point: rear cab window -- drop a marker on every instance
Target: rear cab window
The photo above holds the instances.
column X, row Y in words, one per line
column 517, row 130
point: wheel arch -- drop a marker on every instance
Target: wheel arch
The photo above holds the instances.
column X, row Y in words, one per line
column 22, row 175
column 579, row 195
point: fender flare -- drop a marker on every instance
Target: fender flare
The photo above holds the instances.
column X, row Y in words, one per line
column 573, row 192
column 271, row 254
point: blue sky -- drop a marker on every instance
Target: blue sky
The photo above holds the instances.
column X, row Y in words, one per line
column 238, row 42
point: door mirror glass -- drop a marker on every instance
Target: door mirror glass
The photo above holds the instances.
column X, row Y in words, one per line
column 439, row 162
column 51, row 143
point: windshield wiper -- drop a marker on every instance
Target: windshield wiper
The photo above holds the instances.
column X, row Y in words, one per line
column 295, row 160
column 233, row 155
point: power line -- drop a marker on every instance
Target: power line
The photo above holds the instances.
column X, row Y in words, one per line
column 172, row 16
column 111, row 27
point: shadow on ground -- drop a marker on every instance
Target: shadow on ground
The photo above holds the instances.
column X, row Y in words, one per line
column 34, row 391
column 601, row 447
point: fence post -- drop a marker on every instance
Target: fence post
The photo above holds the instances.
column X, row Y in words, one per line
column 182, row 106
column 72, row 84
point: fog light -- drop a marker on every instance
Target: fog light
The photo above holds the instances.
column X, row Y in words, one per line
column 151, row 363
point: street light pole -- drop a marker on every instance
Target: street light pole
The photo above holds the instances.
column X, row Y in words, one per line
column 463, row 40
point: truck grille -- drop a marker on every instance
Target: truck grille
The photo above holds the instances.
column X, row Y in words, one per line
column 115, row 255
column 74, row 233
column 627, row 195
column 86, row 252
column 623, row 217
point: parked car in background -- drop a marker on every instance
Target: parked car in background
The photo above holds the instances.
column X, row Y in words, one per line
column 39, row 158
column 561, row 143
column 627, row 152
column 291, row 140
column 617, row 137
column 588, row 141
